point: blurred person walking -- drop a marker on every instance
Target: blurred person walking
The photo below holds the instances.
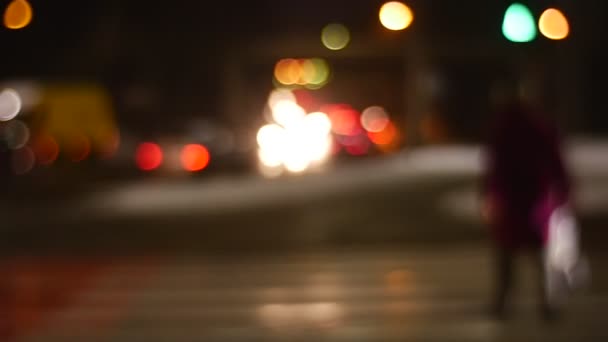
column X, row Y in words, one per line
column 525, row 180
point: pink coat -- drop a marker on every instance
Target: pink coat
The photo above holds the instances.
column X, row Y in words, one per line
column 525, row 177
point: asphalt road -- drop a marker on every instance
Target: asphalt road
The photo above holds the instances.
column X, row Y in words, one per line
column 387, row 250
column 427, row 293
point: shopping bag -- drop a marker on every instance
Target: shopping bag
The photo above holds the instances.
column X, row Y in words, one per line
column 567, row 269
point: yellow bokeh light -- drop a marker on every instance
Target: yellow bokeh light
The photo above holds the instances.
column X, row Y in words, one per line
column 309, row 72
column 304, row 70
column 553, row 24
column 18, row 14
column 312, row 73
column 335, row 36
column 321, row 72
column 396, row 16
column 287, row 71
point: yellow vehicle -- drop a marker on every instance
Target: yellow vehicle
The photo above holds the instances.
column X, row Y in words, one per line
column 73, row 121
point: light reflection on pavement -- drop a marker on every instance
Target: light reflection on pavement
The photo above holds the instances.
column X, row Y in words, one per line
column 362, row 295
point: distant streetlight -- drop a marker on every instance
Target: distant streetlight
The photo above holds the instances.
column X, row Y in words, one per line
column 18, row 14
column 396, row 16
column 553, row 24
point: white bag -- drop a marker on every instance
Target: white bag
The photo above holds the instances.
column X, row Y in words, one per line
column 565, row 268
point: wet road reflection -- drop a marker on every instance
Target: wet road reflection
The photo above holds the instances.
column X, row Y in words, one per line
column 427, row 293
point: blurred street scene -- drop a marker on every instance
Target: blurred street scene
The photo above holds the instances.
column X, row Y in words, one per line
column 285, row 170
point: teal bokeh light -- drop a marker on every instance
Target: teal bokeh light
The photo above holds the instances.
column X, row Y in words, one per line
column 518, row 24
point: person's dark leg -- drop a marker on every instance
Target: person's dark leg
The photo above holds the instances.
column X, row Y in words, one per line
column 503, row 281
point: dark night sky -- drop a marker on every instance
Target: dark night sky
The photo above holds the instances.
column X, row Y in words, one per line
column 63, row 32
column 180, row 44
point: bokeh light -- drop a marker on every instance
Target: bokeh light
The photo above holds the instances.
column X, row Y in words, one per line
column 386, row 137
column 272, row 156
column 16, row 134
column 30, row 92
column 306, row 100
column 304, row 142
column 280, row 95
column 10, row 104
column 295, row 162
column 301, row 148
column 321, row 73
column 294, row 141
column 195, row 157
column 553, row 24
column 77, row 147
column 312, row 73
column 18, row 14
column 335, row 36
column 287, row 113
column 269, row 135
column 396, row 16
column 23, row 160
column 148, row 156
column 315, row 131
column 308, row 72
column 317, row 123
column 374, row 119
column 271, row 140
column 518, row 24
column 46, row 149
column 344, row 119
column 356, row 145
column 287, row 71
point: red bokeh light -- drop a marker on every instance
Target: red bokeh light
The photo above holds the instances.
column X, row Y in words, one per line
column 195, row 157
column 357, row 150
column 355, row 145
column 344, row 119
column 306, row 100
column 149, row 156
column 46, row 149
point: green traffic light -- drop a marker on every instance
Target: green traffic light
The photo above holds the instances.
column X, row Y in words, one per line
column 519, row 25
